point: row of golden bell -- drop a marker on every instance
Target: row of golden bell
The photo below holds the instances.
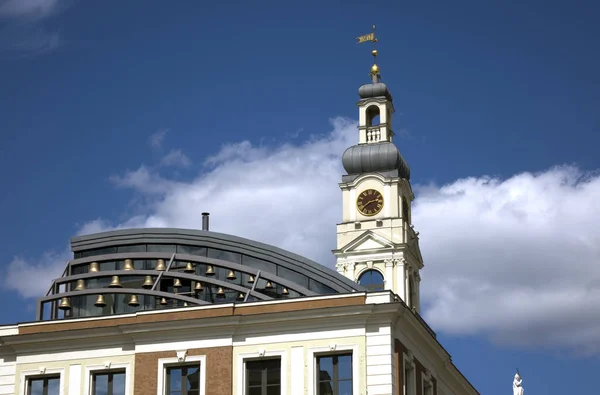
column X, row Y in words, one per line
column 65, row 304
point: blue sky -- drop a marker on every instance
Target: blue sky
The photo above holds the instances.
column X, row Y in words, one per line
column 117, row 114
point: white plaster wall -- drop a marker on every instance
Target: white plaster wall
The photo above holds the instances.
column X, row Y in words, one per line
column 75, row 372
column 380, row 352
column 7, row 375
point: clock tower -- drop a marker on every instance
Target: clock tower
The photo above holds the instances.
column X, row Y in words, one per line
column 376, row 243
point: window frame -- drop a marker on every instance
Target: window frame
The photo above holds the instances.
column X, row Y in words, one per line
column 91, row 370
column 334, row 349
column 371, row 287
column 260, row 354
column 182, row 367
column 335, row 379
column 263, row 385
column 410, row 383
column 110, row 373
column 44, row 378
column 165, row 363
column 26, row 375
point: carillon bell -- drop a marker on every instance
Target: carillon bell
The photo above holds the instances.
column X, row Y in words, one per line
column 176, row 283
column 189, row 268
column 269, row 285
column 220, row 293
column 231, row 275
column 64, row 304
column 148, row 282
column 94, row 267
column 128, row 265
column 160, row 265
column 100, row 301
column 80, row 285
column 198, row 287
column 285, row 291
column 115, row 283
column 185, row 304
column 241, row 296
column 210, row 270
column 133, row 301
column 163, row 302
column 251, row 279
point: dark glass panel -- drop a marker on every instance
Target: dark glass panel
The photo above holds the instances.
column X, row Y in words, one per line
column 162, row 248
column 98, row 251
column 372, row 280
column 101, row 384
column 345, row 387
column 259, row 264
column 345, row 367
column 274, row 390
column 320, row 288
column 132, row 248
column 292, row 275
column 225, row 255
column 325, row 388
column 191, row 250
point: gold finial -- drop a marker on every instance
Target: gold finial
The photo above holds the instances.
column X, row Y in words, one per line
column 371, row 37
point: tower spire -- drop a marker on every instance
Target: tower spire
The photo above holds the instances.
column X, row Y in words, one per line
column 375, row 75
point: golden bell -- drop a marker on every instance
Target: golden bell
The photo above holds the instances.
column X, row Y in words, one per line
column 198, row 287
column 133, row 301
column 128, row 265
column 160, row 265
column 177, row 283
column 64, row 304
column 100, row 301
column 210, row 271
column 163, row 301
column 269, row 285
column 285, row 291
column 241, row 296
column 220, row 293
column 185, row 304
column 251, row 279
column 231, row 275
column 94, row 267
column 115, row 283
column 189, row 268
column 80, row 285
column 148, row 282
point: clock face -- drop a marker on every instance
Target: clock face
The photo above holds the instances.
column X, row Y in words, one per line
column 369, row 202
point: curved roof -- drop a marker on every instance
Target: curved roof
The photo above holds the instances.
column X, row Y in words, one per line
column 375, row 157
column 152, row 268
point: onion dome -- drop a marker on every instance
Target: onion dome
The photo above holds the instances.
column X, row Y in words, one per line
column 378, row 89
column 376, row 157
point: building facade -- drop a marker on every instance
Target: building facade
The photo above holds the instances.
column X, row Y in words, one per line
column 194, row 312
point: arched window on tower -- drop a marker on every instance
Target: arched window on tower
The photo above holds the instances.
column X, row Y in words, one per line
column 371, row 280
column 405, row 210
column 372, row 116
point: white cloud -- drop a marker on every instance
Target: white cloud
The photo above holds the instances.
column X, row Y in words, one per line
column 24, row 31
column 511, row 259
column 156, row 139
column 33, row 279
column 36, row 9
column 176, row 158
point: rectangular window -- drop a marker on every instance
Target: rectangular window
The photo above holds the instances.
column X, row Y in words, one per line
column 108, row 383
column 183, row 380
column 47, row 385
column 334, row 374
column 263, row 377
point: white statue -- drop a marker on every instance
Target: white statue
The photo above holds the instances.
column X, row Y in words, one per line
column 517, row 389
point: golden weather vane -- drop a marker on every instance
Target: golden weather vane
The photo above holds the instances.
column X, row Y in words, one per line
column 366, row 38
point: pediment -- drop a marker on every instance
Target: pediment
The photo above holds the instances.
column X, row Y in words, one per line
column 368, row 241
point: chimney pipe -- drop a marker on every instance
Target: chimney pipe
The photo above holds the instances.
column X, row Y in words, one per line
column 205, row 221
